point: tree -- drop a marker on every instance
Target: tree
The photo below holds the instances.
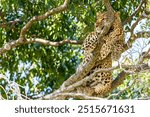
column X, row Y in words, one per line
column 41, row 47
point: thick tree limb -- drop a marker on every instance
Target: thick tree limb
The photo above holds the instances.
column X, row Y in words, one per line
column 108, row 5
column 51, row 43
column 116, row 82
column 41, row 17
column 80, row 73
column 10, row 45
column 71, row 95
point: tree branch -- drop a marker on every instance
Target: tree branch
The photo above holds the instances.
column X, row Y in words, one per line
column 41, row 17
column 144, row 98
column 143, row 56
column 121, row 77
column 132, row 35
column 128, row 19
column 118, row 80
column 142, row 34
column 108, row 5
column 24, row 30
column 9, row 24
column 71, row 95
column 9, row 45
column 135, row 24
column 120, row 92
column 50, row 43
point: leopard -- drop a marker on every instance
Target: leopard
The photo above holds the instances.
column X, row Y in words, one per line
column 107, row 49
column 92, row 40
column 110, row 43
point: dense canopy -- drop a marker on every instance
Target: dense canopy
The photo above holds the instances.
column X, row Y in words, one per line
column 38, row 55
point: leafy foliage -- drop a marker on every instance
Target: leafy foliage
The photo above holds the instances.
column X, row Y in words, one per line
column 42, row 69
